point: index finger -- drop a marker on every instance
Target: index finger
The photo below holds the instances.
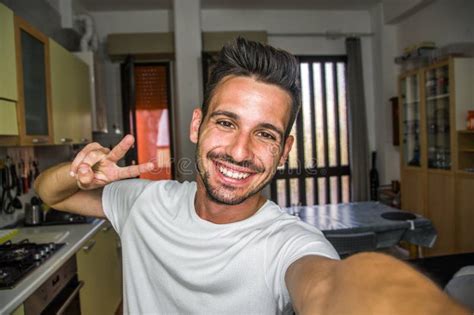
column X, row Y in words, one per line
column 121, row 148
column 134, row 170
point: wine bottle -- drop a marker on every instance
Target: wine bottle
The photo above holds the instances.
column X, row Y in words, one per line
column 374, row 178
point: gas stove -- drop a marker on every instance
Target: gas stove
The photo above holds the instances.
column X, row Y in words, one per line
column 19, row 259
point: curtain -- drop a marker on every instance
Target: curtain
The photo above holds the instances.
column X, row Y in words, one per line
column 359, row 144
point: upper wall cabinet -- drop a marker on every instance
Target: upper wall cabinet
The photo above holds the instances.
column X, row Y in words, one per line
column 70, row 95
column 8, row 80
column 34, row 101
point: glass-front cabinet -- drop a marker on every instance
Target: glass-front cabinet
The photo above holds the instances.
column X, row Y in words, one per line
column 410, row 100
column 34, row 81
column 437, row 100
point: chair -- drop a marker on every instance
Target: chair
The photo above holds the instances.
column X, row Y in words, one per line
column 461, row 286
column 346, row 244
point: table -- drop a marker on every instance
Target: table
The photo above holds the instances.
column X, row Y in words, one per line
column 362, row 217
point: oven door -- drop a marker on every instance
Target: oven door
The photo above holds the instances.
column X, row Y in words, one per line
column 67, row 301
column 59, row 294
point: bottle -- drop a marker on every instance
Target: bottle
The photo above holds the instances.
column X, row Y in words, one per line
column 374, row 178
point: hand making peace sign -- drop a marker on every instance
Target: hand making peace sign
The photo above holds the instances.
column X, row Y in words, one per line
column 96, row 166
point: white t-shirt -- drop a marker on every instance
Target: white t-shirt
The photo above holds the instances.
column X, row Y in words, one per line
column 174, row 262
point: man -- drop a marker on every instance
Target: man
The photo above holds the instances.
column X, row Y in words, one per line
column 217, row 246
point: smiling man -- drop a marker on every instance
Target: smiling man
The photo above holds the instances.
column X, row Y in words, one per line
column 217, row 245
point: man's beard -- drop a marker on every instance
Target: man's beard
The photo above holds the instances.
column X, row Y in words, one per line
column 215, row 193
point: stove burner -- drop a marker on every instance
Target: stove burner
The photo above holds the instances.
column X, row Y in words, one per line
column 18, row 259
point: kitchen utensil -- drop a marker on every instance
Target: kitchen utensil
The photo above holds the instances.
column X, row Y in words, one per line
column 10, row 187
column 33, row 214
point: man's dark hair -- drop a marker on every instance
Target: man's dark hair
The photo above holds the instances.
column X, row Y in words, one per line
column 262, row 62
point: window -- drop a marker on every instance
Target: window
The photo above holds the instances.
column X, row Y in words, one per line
column 318, row 169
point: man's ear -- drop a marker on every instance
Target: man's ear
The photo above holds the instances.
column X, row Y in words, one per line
column 194, row 127
column 286, row 150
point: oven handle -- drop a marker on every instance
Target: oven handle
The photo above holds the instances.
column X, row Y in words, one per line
column 71, row 297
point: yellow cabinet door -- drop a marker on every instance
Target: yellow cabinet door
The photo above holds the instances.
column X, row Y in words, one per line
column 8, row 78
column 70, row 95
column 8, row 118
column 98, row 264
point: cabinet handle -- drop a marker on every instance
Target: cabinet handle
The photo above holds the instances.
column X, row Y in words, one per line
column 84, row 140
column 89, row 246
column 39, row 140
column 64, row 140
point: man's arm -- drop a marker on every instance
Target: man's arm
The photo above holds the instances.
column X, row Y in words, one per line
column 59, row 190
column 77, row 187
column 366, row 283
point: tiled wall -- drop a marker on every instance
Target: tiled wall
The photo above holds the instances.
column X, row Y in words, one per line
column 46, row 156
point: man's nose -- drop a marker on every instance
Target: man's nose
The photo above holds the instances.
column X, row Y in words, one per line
column 240, row 149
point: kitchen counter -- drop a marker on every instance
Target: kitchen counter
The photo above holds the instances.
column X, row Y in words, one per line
column 74, row 236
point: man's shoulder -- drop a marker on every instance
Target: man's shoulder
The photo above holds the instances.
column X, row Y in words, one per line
column 285, row 224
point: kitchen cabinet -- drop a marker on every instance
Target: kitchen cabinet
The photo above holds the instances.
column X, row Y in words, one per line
column 70, row 95
column 8, row 120
column 98, row 264
column 464, row 235
column 8, row 79
column 33, row 80
column 436, row 150
column 19, row 311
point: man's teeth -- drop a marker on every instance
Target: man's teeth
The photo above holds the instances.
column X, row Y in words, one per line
column 233, row 174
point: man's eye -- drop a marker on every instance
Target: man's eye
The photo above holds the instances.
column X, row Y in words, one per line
column 225, row 123
column 266, row 135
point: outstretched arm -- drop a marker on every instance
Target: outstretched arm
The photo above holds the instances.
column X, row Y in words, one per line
column 77, row 187
column 367, row 283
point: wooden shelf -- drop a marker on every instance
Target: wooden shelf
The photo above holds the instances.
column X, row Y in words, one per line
column 465, row 173
column 440, row 171
column 466, row 150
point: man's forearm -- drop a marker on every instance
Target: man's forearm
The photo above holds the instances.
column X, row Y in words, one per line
column 55, row 184
column 368, row 283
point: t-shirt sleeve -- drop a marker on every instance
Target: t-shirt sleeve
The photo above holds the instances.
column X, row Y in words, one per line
column 118, row 198
column 292, row 242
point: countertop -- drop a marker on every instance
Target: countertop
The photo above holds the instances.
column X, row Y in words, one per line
column 74, row 235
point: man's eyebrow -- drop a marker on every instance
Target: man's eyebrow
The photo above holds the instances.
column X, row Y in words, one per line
column 225, row 113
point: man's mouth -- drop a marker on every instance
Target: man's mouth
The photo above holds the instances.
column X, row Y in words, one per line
column 232, row 173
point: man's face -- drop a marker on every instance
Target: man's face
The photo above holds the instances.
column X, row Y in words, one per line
column 240, row 142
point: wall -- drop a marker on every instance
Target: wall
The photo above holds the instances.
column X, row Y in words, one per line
column 43, row 16
column 442, row 22
column 384, row 86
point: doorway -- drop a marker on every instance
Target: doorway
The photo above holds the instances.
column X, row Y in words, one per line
column 146, row 97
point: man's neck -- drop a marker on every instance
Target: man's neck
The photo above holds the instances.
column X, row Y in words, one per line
column 209, row 210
